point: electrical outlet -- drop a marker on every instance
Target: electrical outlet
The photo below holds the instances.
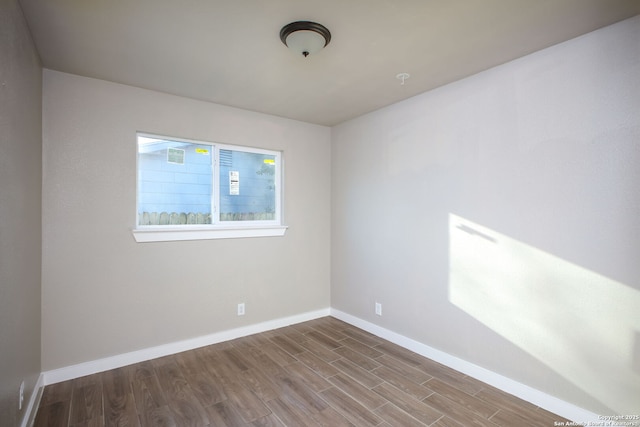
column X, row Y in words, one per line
column 379, row 309
column 21, row 397
column 241, row 309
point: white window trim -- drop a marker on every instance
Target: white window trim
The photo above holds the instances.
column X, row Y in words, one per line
column 218, row 230
column 154, row 234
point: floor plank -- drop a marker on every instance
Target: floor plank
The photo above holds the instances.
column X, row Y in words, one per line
column 457, row 412
column 397, row 417
column 119, row 404
column 53, row 414
column 403, row 383
column 319, row 373
column 350, row 408
column 366, row 378
column 466, row 400
column 365, row 396
column 412, row 406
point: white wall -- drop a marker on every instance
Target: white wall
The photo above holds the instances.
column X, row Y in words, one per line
column 20, row 194
column 103, row 293
column 540, row 158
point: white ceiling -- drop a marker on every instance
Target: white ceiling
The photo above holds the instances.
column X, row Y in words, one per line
column 229, row 51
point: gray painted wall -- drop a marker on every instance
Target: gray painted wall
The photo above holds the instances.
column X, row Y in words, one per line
column 20, row 211
column 103, row 293
column 496, row 219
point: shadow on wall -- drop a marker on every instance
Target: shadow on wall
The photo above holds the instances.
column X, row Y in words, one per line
column 582, row 325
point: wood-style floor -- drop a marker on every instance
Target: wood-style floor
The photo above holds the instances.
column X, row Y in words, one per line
column 319, row 373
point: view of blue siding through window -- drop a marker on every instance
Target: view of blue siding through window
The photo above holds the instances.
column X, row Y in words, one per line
column 175, row 183
column 174, row 177
column 247, row 185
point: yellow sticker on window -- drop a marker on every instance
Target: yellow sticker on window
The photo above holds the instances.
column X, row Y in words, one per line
column 270, row 161
column 202, row 151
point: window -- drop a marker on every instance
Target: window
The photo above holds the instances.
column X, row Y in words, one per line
column 190, row 190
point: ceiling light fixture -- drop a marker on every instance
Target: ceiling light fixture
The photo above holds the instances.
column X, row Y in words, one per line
column 305, row 38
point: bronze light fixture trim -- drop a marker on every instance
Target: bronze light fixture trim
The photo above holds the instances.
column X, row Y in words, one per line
column 305, row 37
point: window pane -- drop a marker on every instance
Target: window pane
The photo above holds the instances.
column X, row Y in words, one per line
column 247, row 186
column 174, row 182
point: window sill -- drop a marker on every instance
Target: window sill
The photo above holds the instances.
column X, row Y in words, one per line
column 155, row 234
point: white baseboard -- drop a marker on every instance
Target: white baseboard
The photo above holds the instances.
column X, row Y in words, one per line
column 107, row 363
column 34, row 401
column 538, row 398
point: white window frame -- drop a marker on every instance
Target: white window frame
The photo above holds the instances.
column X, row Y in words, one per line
column 217, row 229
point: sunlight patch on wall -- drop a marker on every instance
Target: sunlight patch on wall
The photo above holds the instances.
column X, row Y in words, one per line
column 582, row 325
